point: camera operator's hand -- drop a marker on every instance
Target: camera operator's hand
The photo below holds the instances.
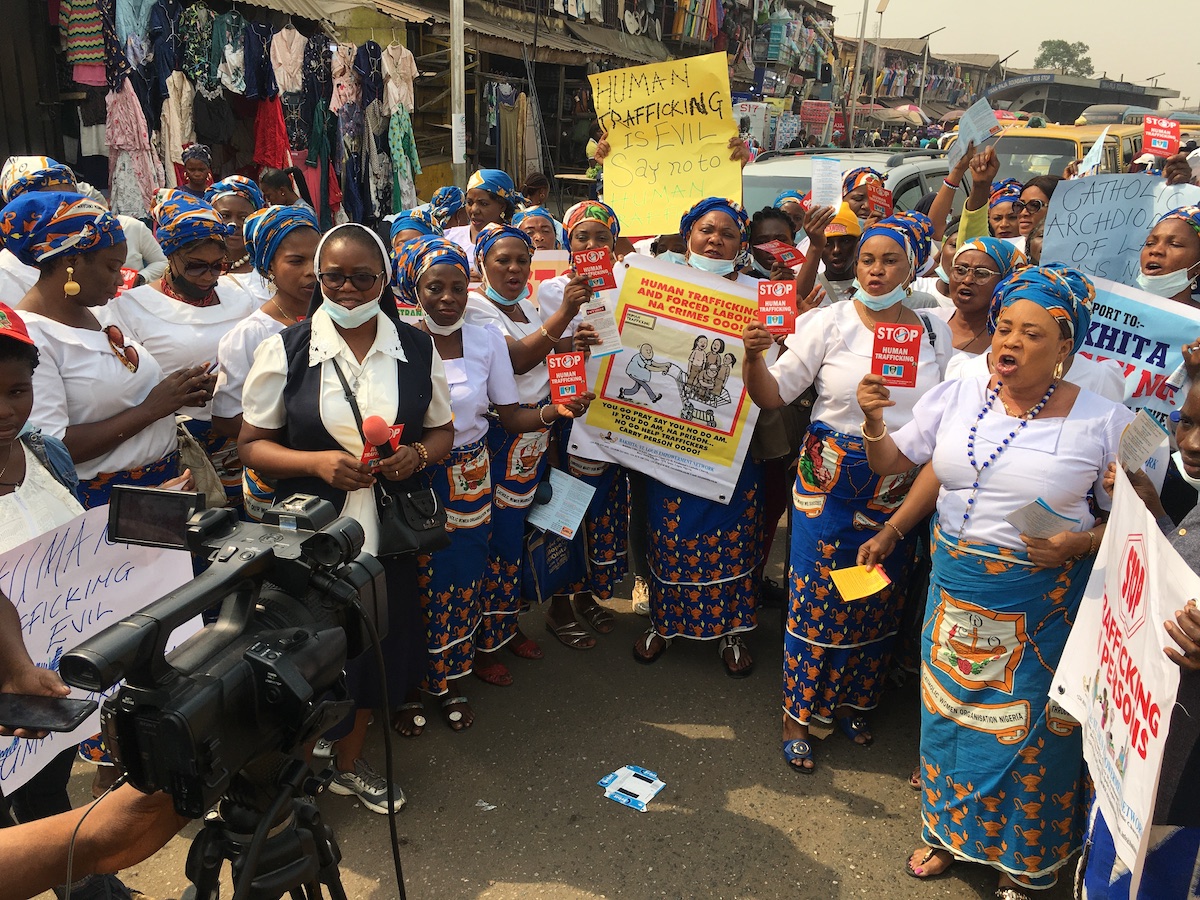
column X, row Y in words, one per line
column 340, row 470
column 31, row 679
column 399, row 465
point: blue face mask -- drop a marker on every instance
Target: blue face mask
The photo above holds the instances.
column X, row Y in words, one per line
column 706, row 264
column 879, row 304
column 941, row 274
column 496, row 297
column 673, row 256
column 758, row 267
column 350, row 318
column 862, row 224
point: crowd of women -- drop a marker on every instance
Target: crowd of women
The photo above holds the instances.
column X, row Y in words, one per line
column 247, row 365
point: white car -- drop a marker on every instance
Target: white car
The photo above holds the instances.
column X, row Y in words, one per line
column 908, row 174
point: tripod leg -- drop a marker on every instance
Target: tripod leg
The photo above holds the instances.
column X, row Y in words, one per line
column 204, row 861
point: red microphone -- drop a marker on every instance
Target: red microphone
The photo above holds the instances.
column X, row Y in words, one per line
column 377, row 432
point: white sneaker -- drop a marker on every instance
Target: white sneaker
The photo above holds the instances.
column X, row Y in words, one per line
column 323, row 749
column 370, row 787
column 641, row 596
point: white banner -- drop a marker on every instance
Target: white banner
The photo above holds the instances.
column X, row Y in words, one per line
column 67, row 585
column 1114, row 677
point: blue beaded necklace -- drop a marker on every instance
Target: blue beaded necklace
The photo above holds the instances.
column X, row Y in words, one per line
column 1029, row 416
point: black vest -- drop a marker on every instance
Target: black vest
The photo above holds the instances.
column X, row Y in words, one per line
column 304, row 429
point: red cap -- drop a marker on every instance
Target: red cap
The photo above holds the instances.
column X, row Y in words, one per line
column 11, row 326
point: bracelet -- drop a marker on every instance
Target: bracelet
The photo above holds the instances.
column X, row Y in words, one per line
column 1091, row 543
column 899, row 533
column 867, row 437
column 541, row 410
column 548, row 336
column 950, row 184
column 421, row 452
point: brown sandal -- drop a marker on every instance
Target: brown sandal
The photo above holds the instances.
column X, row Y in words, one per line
column 494, row 673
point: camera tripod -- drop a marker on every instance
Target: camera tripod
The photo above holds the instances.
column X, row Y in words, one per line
column 296, row 853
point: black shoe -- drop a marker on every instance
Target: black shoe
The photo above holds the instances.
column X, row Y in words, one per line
column 657, row 397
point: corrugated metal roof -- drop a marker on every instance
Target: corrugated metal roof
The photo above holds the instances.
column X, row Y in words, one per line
column 633, row 47
column 317, row 10
column 911, row 46
column 407, row 11
column 977, row 60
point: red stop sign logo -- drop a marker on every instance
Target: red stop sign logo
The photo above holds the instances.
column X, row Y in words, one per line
column 1133, row 583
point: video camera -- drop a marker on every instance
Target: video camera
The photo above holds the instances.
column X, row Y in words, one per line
column 265, row 677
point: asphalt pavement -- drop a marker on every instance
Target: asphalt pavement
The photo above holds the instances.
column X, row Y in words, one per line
column 511, row 808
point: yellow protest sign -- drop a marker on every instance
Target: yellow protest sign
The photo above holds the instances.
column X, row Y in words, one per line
column 669, row 126
column 672, row 403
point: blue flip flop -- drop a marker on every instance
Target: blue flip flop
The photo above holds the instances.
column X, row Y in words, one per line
column 854, row 727
column 798, row 750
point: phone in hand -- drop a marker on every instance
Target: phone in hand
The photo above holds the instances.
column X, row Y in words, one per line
column 36, row 713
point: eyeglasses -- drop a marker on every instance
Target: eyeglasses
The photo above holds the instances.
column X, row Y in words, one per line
column 1034, row 206
column 360, row 281
column 194, row 270
column 127, row 355
column 979, row 272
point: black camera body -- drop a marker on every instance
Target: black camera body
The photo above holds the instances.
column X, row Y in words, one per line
column 258, row 682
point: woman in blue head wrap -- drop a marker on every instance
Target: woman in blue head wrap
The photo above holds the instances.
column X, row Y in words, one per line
column 1170, row 259
column 792, row 204
column 450, row 204
column 234, row 198
column 503, row 254
column 854, row 192
column 1001, row 603
column 431, row 274
column 979, row 265
column 181, row 317
column 421, row 221
column 712, row 596
column 836, row 649
column 281, row 242
column 543, row 229
column 1004, row 219
column 99, row 391
column 491, row 199
column 300, row 427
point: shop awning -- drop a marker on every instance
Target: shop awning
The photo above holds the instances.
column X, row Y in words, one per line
column 317, row 10
column 408, row 12
column 633, row 47
column 507, row 39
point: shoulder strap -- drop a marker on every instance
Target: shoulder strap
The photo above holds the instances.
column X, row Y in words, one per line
column 37, row 446
column 350, row 398
column 928, row 326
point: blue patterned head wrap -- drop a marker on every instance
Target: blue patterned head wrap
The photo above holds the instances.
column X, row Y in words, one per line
column 540, row 212
column 786, row 196
column 1189, row 214
column 857, row 177
column 902, row 231
column 447, row 201
column 422, row 218
column 495, row 181
column 184, row 219
column 33, row 173
column 719, row 204
column 41, row 225
column 265, row 230
column 492, row 232
column 1006, row 191
column 417, row 256
column 1007, row 257
column 920, row 227
column 236, row 186
column 196, row 151
column 1065, row 293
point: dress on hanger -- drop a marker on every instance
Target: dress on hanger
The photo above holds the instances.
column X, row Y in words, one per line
column 399, row 69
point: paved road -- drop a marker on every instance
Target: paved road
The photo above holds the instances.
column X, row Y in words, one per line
column 732, row 822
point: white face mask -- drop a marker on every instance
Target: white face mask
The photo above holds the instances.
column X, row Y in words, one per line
column 1178, row 458
column 758, row 267
column 435, row 328
column 941, row 274
column 882, row 302
column 707, row 264
column 350, row 318
column 673, row 256
column 1165, row 286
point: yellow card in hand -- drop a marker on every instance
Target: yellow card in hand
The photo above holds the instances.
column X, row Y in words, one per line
column 856, row 582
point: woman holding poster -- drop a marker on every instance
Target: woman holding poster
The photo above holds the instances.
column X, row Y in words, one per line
column 836, row 649
column 704, row 555
column 1000, row 765
column 504, row 254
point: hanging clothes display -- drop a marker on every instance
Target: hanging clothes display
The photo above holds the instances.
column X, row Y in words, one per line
column 399, row 69
column 368, row 66
column 196, row 39
column 164, row 44
column 318, row 77
column 260, row 75
column 377, row 162
column 178, row 130
column 270, row 136
column 533, row 144
column 134, row 173
column 227, row 58
column 345, row 81
column 212, row 119
column 133, row 24
column 512, row 135
column 405, row 163
column 287, row 59
column 349, row 156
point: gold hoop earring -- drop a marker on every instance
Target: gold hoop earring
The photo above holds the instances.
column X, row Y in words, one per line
column 71, row 288
column 1058, row 371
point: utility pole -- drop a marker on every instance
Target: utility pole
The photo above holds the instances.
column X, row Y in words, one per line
column 862, row 37
column 878, row 49
column 458, row 95
column 925, row 67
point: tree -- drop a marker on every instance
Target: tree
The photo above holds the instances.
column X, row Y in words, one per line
column 1072, row 59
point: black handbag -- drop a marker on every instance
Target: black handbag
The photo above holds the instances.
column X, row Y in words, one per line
column 409, row 521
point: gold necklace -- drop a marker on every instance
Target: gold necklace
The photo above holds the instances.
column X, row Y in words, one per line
column 291, row 319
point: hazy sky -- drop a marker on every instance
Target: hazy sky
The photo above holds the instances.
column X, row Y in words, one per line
column 1125, row 38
